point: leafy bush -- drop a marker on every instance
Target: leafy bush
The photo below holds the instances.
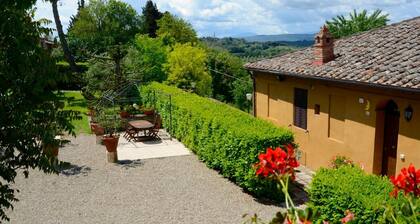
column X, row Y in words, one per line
column 145, row 59
column 225, row 138
column 71, row 80
column 339, row 161
column 187, row 69
column 333, row 191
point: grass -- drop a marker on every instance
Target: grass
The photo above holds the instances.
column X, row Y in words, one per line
column 75, row 101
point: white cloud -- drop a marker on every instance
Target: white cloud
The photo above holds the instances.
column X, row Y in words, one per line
column 66, row 8
column 235, row 17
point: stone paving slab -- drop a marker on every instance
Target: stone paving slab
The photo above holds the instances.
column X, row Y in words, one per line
column 165, row 147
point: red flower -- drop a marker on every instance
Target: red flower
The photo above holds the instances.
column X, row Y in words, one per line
column 408, row 181
column 349, row 217
column 277, row 162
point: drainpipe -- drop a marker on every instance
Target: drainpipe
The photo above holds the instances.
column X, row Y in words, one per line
column 251, row 73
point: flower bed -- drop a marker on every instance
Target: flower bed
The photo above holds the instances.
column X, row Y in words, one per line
column 225, row 138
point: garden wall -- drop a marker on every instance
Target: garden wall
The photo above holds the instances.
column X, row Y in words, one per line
column 225, row 138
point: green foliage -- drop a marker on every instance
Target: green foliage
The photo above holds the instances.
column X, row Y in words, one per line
column 333, row 191
column 31, row 112
column 173, row 30
column 406, row 212
column 187, row 69
column 150, row 16
column 76, row 102
column 230, row 81
column 103, row 23
column 341, row 26
column 249, row 51
column 70, row 80
column 225, row 138
column 339, row 161
column 145, row 59
column 99, row 77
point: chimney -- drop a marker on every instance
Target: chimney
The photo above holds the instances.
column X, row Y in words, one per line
column 323, row 47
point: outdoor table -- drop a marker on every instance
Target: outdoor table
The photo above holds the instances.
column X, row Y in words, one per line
column 141, row 125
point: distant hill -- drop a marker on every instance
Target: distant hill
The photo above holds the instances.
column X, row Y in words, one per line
column 253, row 50
column 280, row 37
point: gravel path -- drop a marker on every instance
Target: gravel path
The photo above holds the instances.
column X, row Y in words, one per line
column 168, row 190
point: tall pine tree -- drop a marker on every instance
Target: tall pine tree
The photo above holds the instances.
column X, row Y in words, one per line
column 73, row 19
column 150, row 16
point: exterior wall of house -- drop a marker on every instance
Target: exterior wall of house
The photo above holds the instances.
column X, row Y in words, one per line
column 344, row 126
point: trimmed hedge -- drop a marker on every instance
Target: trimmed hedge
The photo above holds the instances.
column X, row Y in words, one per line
column 225, row 138
column 333, row 191
column 71, row 81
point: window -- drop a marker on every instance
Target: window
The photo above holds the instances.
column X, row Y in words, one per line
column 300, row 108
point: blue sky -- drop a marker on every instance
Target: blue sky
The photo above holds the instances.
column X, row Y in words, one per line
column 249, row 17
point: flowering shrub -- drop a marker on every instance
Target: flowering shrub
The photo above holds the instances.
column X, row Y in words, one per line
column 408, row 181
column 279, row 164
column 339, row 161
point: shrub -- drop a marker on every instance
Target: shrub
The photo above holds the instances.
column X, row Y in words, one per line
column 71, row 81
column 339, row 161
column 333, row 191
column 225, row 138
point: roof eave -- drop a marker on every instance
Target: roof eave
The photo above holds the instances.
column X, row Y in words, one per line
column 365, row 84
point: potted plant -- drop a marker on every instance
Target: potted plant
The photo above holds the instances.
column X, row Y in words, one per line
column 52, row 147
column 110, row 138
column 148, row 111
column 124, row 114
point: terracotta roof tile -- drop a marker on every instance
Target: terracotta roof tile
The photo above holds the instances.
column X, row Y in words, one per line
column 388, row 56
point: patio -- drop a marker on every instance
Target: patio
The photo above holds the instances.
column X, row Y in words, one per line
column 171, row 186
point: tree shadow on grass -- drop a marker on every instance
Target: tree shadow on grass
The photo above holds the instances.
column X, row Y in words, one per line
column 68, row 169
column 128, row 164
column 73, row 102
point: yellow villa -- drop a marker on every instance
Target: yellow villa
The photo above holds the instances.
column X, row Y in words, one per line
column 357, row 96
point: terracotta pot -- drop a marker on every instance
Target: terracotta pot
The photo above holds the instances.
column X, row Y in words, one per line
column 99, row 130
column 51, row 150
column 93, row 126
column 111, row 143
column 149, row 112
column 124, row 114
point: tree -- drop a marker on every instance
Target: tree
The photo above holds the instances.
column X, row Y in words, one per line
column 103, row 24
column 231, row 82
column 67, row 53
column 73, row 19
column 175, row 30
column 150, row 16
column 357, row 22
column 31, row 112
column 186, row 67
column 145, row 59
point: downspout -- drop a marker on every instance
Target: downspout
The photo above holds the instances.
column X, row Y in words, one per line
column 253, row 93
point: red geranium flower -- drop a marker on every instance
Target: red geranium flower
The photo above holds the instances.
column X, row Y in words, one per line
column 277, row 162
column 408, row 181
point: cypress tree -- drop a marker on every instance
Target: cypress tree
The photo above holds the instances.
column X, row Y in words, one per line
column 150, row 16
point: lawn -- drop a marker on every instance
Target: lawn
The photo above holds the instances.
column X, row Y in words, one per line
column 75, row 101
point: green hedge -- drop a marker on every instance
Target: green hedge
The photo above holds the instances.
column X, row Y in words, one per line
column 71, row 81
column 333, row 191
column 225, row 138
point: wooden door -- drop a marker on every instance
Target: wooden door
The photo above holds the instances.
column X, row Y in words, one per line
column 391, row 129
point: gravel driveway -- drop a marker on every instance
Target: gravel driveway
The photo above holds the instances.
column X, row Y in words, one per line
column 167, row 190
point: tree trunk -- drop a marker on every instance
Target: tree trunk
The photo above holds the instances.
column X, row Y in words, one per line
column 67, row 54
